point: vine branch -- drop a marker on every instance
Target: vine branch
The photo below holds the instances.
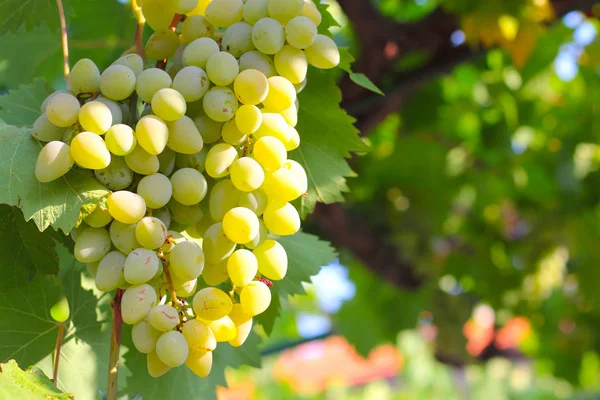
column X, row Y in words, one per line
column 162, row 64
column 59, row 340
column 172, row 291
column 138, row 43
column 65, row 42
column 115, row 346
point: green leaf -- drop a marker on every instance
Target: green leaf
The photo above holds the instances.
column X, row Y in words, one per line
column 30, row 384
column 327, row 138
column 57, row 203
column 327, row 19
column 25, row 250
column 21, row 107
column 31, row 13
column 360, row 79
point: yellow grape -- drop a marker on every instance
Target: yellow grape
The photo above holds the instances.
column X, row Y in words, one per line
column 142, row 162
column 299, row 172
column 115, row 109
column 141, row 266
column 251, row 87
column 231, row 134
column 196, row 27
column 242, row 267
column 168, row 104
column 199, row 336
column 220, row 104
column 212, row 304
column 200, row 8
column 216, row 245
column 187, row 260
column 144, row 337
column 272, row 260
column 151, row 81
column 324, row 53
column 223, row 328
column 248, row 119
column 311, row 11
column 270, row 153
column 200, row 363
column 223, row 13
column 285, row 10
column 256, row 201
column 215, row 274
column 184, row 137
column 162, row 45
column 85, row 77
column 255, row 298
column 172, row 348
column 219, row 160
column 163, row 317
column 246, row 174
column 159, row 13
column 156, row 190
column 137, row 302
column 222, row 68
column 120, row 140
column 152, row 134
column 294, row 141
column 291, row 64
column 240, row 225
column 62, row 109
column 156, row 367
column 289, row 114
column 54, row 161
column 259, row 239
column 301, row 32
column 281, row 218
column 110, row 272
column 223, row 197
column 89, row 151
column 199, row 51
column 243, row 322
column 282, row 94
column 92, row 245
column 273, row 124
column 283, row 185
column 151, row 233
column 126, row 207
column 99, row 218
column 117, row 82
column 268, row 35
column 189, row 186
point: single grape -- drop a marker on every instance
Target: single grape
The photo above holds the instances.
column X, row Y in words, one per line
column 323, row 54
column 232, row 135
column 189, row 186
column 237, row 39
column 168, row 104
column 222, row 68
column 117, row 82
column 248, row 119
column 223, row 328
column 184, row 137
column 187, row 260
column 272, row 260
column 63, row 110
column 219, row 159
column 299, row 172
column 282, row 94
column 185, row 215
column 184, row 289
column 199, row 51
column 192, row 82
column 126, row 207
column 115, row 109
column 89, row 151
column 158, row 13
column 200, row 363
column 54, row 161
column 151, row 233
column 242, row 267
column 141, row 265
column 162, row 45
column 156, row 367
column 254, row 10
column 301, row 32
column 92, row 244
column 291, row 64
column 137, row 302
column 156, row 190
column 281, row 218
column 273, row 124
column 199, row 336
column 123, row 237
column 163, row 317
column 166, row 161
column 195, row 161
column 216, row 245
column 294, row 141
column 117, row 176
column 284, row 10
column 120, row 140
column 290, row 115
column 220, row 104
column 268, row 36
column 310, row 10
column 260, row 238
column 256, row 201
column 251, row 87
column 44, row 104
column 132, row 61
column 152, row 133
column 240, row 225
column 142, row 162
column 172, row 348
column 211, row 304
column 223, row 197
column 283, row 185
column 259, row 61
column 255, row 298
column 209, row 129
column 99, row 218
column 246, row 174
column 44, row 131
column 196, row 27
column 243, row 322
column 95, row 117
column 151, row 81
column 223, row 13
column 215, row 274
column 109, row 275
column 270, row 153
column 163, row 214
column 60, row 310
column 144, row 337
column 85, row 77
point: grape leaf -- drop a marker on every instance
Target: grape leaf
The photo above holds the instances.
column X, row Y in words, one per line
column 30, row 384
column 327, row 138
column 25, row 250
column 360, row 79
column 21, row 107
column 31, row 13
column 327, row 20
column 57, row 203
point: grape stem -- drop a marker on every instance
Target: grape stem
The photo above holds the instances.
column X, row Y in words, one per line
column 59, row 340
column 138, row 43
column 172, row 291
column 115, row 346
column 65, row 42
column 162, row 64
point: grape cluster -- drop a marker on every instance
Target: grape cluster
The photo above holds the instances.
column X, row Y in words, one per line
column 196, row 159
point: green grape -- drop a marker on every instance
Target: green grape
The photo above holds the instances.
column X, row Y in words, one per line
column 215, row 274
column 159, row 13
column 120, row 140
column 132, row 61
column 283, row 185
column 185, row 215
column 284, row 10
column 294, row 141
column 270, row 153
column 268, row 36
column 290, row 115
column 62, row 109
column 223, row 13
column 258, row 61
column 301, row 32
column 85, row 77
column 251, row 87
column 117, row 82
column 151, row 81
column 219, row 160
column 232, row 135
column 54, row 161
column 128, row 118
column 184, row 289
column 162, row 45
column 281, row 218
column 255, row 298
column 166, row 162
column 89, row 151
column 310, row 10
column 151, row 233
column 300, row 87
column 240, row 225
column 299, row 172
column 44, row 104
column 187, row 260
column 172, row 348
column 92, row 268
column 242, row 267
column 126, row 207
column 92, row 244
column 199, row 51
column 156, row 190
column 185, row 6
column 156, row 368
column 246, row 174
column 99, row 218
column 254, row 10
column 222, row 68
column 282, row 94
column 196, row 27
column 256, row 201
column 168, row 104
column 116, row 176
column 152, row 133
column 95, row 117
column 211, row 304
column 248, row 119
column 323, row 54
column 192, row 83
column 200, row 363
column 109, row 275
column 291, row 64
column 44, row 131
column 163, row 214
column 60, row 310
column 260, row 238
column 272, row 260
column 75, row 232
column 123, row 237
column 223, row 328
column 137, row 302
column 189, row 186
column 216, row 245
column 184, row 137
column 115, row 109
column 142, row 162
column 209, row 129
column 174, row 238
column 163, row 317
column 144, row 337
column 195, row 161
column 199, row 336
column 273, row 124
column 141, row 265
column 243, row 322
column 223, row 197
column 237, row 39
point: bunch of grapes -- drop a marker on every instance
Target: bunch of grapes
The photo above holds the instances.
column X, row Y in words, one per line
column 196, row 162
